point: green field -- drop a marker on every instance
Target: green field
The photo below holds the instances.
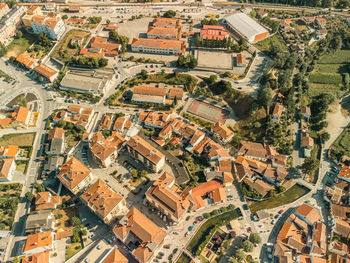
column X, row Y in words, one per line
column 341, row 146
column 266, row 44
column 330, row 67
column 289, row 196
column 20, row 139
column 317, row 89
column 19, row 45
column 184, row 259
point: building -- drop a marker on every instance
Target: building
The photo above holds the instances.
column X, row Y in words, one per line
column 105, row 151
column 32, row 11
column 84, row 83
column 52, row 26
column 106, row 122
column 344, row 173
column 40, row 257
column 167, row 197
column 77, row 40
column 320, row 22
column 147, row 94
column 103, row 201
column 246, row 27
column 9, row 22
column 158, row 46
column 306, row 111
column 109, row 49
column 145, row 153
column 46, row 74
column 153, row 119
column 208, row 193
column 277, row 112
column 213, row 32
column 76, row 115
column 164, row 32
column 39, row 221
column 46, row 200
column 139, row 234
column 114, row 256
column 74, row 175
column 4, row 9
column 241, row 60
column 39, row 242
column 176, row 92
column 56, row 141
column 166, row 22
column 7, row 169
column 120, row 124
column 222, row 133
column 20, row 119
column 26, row 60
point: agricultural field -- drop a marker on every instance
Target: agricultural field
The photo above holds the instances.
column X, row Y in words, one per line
column 60, row 51
column 330, row 68
column 341, row 146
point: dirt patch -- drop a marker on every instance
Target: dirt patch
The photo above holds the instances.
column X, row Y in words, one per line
column 22, row 100
column 336, row 117
column 23, row 139
column 63, row 217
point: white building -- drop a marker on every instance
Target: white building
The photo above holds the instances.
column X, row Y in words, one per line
column 53, row 27
column 246, row 27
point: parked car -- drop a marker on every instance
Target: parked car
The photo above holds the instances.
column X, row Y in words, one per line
column 281, row 211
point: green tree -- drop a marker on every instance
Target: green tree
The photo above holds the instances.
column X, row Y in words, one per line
column 265, row 97
column 239, row 255
column 170, row 13
column 19, row 34
column 108, row 21
column 309, row 166
column 206, row 215
column 75, row 221
column 134, row 174
column 144, row 74
column 187, row 62
column 255, row 238
column 325, row 136
column 197, row 40
column 64, row 17
column 247, row 246
column 143, row 173
column 29, row 196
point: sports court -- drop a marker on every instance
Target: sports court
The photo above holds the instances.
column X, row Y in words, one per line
column 214, row 59
column 207, row 111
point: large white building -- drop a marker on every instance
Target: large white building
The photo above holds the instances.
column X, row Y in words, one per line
column 52, row 26
column 246, row 27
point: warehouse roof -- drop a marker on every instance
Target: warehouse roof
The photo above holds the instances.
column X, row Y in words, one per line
column 79, row 81
column 245, row 25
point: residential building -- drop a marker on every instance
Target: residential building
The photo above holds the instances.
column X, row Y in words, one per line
column 111, row 27
column 9, row 22
column 153, row 119
column 139, row 234
column 45, row 73
column 109, row 49
column 53, row 26
column 259, row 185
column 277, row 112
column 147, row 94
column 213, row 32
column 120, row 124
column 320, row 22
column 32, row 11
column 306, row 143
column 158, row 46
column 145, row 153
column 114, row 256
column 46, row 200
column 84, row 83
column 39, row 221
column 222, row 133
column 7, row 169
column 40, row 257
column 246, row 27
column 56, row 141
column 103, row 201
column 106, row 122
column 4, row 9
column 105, row 151
column 9, row 151
column 166, row 22
column 262, row 13
column 39, row 242
column 75, row 114
column 306, row 111
column 20, row 119
column 74, row 175
column 241, row 60
column 344, row 173
column 164, row 32
column 26, row 60
column 208, row 193
column 168, row 197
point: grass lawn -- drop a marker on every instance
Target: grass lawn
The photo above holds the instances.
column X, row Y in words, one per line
column 9, row 199
column 136, row 183
column 339, row 57
column 4, row 75
column 184, row 259
column 21, row 167
column 203, row 234
column 18, row 46
column 341, row 145
column 72, row 140
column 21, row 139
column 72, row 249
column 317, row 89
column 266, row 44
column 64, row 44
column 287, row 197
